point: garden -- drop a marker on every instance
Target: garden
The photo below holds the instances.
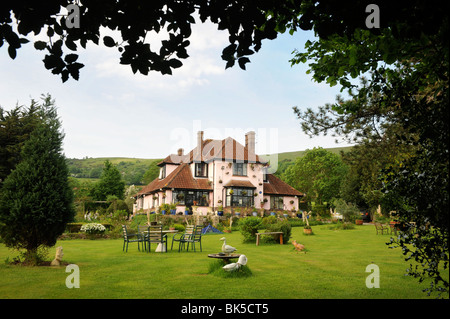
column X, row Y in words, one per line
column 332, row 265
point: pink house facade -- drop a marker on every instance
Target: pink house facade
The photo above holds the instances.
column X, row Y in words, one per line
column 216, row 174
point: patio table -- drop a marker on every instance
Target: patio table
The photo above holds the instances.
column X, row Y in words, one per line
column 160, row 248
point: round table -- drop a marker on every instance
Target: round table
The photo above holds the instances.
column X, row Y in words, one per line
column 224, row 257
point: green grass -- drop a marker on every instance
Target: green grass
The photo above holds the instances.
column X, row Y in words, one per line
column 333, row 267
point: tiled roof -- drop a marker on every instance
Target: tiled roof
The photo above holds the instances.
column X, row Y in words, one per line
column 180, row 178
column 276, row 186
column 239, row 183
column 226, row 150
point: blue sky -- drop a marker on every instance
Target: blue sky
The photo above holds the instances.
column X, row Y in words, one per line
column 111, row 112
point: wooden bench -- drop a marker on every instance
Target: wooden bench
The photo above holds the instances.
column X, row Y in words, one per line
column 270, row 233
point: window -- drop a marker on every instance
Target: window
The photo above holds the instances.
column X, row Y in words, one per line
column 276, row 202
column 190, row 197
column 242, row 197
column 265, row 180
column 240, row 169
column 201, row 170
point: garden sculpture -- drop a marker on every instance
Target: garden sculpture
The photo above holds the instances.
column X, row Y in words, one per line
column 227, row 249
column 298, row 247
column 58, row 257
column 235, row 266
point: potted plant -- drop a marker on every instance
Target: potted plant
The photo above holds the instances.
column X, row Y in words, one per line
column 359, row 220
column 254, row 211
column 285, row 214
column 307, row 230
column 164, row 208
column 220, row 210
column 237, row 212
column 173, row 208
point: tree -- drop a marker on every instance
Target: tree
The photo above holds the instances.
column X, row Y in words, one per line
column 110, row 183
column 36, row 199
column 16, row 126
column 135, row 22
column 318, row 173
column 407, row 96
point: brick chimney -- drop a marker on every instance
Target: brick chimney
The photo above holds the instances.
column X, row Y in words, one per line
column 250, row 145
column 198, row 155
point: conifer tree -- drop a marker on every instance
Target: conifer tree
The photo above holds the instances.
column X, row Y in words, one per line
column 36, row 199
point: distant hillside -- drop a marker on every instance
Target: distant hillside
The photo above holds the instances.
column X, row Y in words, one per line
column 133, row 169
column 139, row 171
column 291, row 156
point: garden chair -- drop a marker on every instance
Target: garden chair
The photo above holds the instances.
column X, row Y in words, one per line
column 187, row 233
column 196, row 237
column 143, row 232
column 129, row 238
column 380, row 228
column 156, row 235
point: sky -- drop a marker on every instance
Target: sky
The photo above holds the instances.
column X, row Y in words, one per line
column 111, row 112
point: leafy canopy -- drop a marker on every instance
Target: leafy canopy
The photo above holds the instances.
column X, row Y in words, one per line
column 135, row 23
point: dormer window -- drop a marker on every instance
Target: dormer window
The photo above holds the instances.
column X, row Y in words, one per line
column 201, row 170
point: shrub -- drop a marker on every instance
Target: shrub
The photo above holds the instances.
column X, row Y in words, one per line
column 93, row 228
column 281, row 226
column 269, row 220
column 249, row 227
column 73, row 227
column 179, row 227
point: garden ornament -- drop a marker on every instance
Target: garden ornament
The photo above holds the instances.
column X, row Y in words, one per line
column 298, row 247
column 235, row 266
column 58, row 257
column 227, row 249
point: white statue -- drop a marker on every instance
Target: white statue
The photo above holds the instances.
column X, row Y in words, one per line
column 235, row 266
column 227, row 249
column 58, row 257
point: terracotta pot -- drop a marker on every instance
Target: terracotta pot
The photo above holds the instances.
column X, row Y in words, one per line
column 307, row 231
column 359, row 222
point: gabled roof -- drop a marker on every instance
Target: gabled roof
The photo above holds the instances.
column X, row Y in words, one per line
column 180, row 178
column 276, row 186
column 226, row 150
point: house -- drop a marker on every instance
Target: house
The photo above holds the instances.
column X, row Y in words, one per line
column 217, row 173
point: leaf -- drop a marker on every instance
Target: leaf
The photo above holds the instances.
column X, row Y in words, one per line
column 70, row 58
column 174, row 63
column 108, row 41
column 70, row 44
column 242, row 62
column 229, row 64
column 12, row 52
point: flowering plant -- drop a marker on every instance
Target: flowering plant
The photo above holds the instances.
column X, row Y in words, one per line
column 93, row 228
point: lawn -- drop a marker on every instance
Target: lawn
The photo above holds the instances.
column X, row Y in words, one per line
column 333, row 267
